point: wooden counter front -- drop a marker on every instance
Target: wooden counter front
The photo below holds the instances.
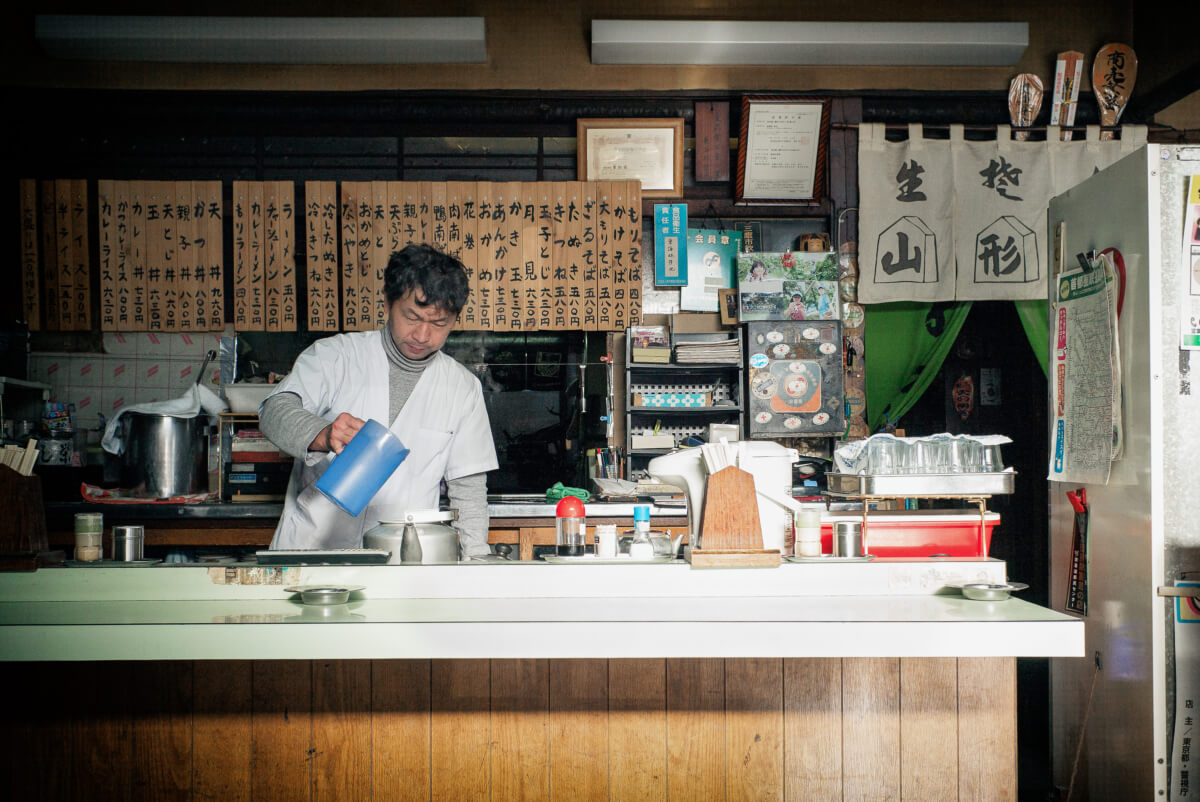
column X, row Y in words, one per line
column 645, row 729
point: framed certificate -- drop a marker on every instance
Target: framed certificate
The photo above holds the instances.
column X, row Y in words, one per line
column 645, row 149
column 783, row 150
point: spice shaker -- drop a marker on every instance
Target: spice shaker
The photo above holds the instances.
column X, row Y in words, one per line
column 128, row 543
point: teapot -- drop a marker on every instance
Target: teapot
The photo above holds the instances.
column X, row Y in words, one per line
column 423, row 536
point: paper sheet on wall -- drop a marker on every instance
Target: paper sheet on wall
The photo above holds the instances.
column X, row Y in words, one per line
column 1085, row 379
column 1187, row 692
column 1189, row 320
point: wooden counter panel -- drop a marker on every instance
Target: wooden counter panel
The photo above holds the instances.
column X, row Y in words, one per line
column 507, row 729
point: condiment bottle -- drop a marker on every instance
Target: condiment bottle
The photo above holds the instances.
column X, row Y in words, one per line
column 570, row 531
column 641, row 548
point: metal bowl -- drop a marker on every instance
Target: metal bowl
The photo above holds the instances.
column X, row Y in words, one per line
column 986, row 591
column 324, row 594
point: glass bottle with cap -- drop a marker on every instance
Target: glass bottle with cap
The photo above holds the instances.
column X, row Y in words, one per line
column 641, row 548
column 570, row 531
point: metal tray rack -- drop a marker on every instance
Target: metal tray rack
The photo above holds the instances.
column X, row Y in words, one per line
column 970, row 487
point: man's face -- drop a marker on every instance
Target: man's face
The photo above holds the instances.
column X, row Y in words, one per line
column 418, row 331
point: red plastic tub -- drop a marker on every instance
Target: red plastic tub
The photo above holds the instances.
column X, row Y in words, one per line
column 917, row 533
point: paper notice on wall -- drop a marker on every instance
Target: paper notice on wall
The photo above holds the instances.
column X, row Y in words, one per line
column 1187, row 693
column 1189, row 318
column 1083, row 435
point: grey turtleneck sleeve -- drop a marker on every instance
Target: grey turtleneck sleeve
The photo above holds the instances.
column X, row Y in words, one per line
column 287, row 424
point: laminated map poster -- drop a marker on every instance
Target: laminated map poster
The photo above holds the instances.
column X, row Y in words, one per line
column 1085, row 374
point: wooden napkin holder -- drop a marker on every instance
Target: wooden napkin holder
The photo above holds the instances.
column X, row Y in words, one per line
column 730, row 530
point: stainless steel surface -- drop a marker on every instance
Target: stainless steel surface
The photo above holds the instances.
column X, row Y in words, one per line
column 830, row 558
column 986, row 591
column 589, row 559
column 164, row 455
column 526, row 509
column 128, row 543
column 922, row 485
column 324, row 594
column 417, row 540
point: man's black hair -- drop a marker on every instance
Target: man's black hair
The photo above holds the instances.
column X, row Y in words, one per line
column 440, row 278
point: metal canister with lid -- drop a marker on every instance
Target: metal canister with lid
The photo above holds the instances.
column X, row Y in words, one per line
column 847, row 539
column 129, row 543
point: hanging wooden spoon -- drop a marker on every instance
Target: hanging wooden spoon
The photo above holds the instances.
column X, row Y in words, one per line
column 1024, row 102
column 1113, row 74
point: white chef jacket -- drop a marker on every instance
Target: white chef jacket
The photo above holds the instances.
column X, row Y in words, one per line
column 444, row 424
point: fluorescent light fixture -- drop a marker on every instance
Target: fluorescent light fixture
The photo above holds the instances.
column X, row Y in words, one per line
column 264, row 40
column 978, row 44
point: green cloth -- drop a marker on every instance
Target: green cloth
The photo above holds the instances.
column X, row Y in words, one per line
column 560, row 491
column 906, row 343
column 1035, row 320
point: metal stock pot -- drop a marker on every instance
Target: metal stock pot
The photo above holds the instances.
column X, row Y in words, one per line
column 164, row 455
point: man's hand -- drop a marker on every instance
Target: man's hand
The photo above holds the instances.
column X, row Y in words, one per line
column 336, row 435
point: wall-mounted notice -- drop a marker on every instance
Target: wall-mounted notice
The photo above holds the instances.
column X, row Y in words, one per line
column 1189, row 336
column 670, row 244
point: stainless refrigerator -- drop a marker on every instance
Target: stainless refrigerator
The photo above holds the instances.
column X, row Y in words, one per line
column 1144, row 523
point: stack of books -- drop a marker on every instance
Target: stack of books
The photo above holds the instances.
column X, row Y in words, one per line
column 724, row 352
column 649, row 344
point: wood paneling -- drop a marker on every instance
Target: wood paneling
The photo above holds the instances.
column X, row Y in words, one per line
column 695, row 729
column 282, row 729
column 754, row 729
column 649, row 729
column 460, row 753
column 578, row 713
column 520, row 729
column 637, row 729
column 928, row 729
column 400, row 729
column 987, row 728
column 812, row 729
column 222, row 735
column 341, row 727
column 871, row 728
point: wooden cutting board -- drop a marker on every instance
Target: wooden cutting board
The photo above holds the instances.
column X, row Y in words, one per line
column 731, row 512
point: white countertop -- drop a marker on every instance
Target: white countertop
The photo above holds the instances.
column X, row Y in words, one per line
column 882, row 608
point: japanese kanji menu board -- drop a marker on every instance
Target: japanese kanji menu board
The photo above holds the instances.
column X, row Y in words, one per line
column 540, row 256
column 54, row 238
column 264, row 260
column 160, row 256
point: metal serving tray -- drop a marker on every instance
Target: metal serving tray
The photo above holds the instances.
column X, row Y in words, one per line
column 922, row 485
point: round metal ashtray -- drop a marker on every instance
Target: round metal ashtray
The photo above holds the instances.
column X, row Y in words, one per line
column 985, row 591
column 324, row 594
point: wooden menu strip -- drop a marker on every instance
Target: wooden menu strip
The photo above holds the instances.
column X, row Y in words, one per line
column 487, row 262
column 320, row 201
column 81, row 262
column 557, row 237
column 256, row 267
column 272, row 256
column 214, row 250
column 241, row 255
column 30, row 281
column 380, row 252
column 287, row 191
column 138, row 259
column 573, row 253
column 608, row 195
column 49, row 253
column 155, row 253
column 65, row 255
column 186, row 268
column 348, row 202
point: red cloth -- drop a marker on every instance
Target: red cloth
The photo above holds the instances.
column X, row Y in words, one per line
column 118, row 496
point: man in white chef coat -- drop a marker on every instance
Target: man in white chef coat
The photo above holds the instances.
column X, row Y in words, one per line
column 399, row 377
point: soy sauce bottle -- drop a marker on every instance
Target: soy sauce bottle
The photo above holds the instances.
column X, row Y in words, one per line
column 570, row 538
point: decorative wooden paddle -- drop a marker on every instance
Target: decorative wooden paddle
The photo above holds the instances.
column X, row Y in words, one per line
column 1114, row 73
column 1024, row 101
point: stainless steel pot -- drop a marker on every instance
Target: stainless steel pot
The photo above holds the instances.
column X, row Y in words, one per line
column 423, row 536
column 164, row 455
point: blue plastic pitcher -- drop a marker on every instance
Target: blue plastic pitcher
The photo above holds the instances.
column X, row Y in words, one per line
column 364, row 466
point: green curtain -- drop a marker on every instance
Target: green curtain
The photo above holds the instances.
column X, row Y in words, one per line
column 906, row 344
column 1035, row 320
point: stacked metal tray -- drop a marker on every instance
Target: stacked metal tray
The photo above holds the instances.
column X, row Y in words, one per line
column 921, row 485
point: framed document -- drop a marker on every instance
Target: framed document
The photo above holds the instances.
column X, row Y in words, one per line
column 783, row 150
column 645, row 149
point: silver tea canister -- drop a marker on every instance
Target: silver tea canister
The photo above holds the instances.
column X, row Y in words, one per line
column 129, row 543
column 847, row 539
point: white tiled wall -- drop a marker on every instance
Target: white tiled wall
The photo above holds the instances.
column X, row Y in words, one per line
column 135, row 368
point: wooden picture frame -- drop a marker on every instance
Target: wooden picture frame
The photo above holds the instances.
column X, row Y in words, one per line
column 783, row 150
column 646, row 149
column 728, row 306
